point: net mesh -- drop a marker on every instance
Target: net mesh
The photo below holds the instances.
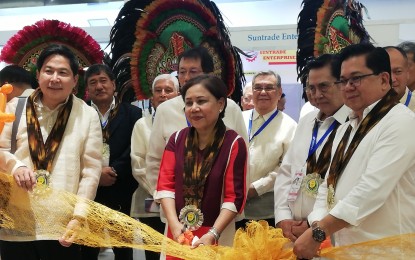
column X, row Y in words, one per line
column 45, row 213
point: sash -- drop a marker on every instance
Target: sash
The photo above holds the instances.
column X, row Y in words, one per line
column 196, row 167
column 43, row 154
column 321, row 165
column 342, row 158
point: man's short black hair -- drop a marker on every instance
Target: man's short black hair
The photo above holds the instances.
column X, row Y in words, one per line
column 202, row 54
column 96, row 69
column 377, row 58
column 60, row 50
column 326, row 60
column 16, row 74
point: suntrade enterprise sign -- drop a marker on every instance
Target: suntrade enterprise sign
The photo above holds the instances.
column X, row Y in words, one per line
column 272, row 37
column 268, row 45
column 272, row 57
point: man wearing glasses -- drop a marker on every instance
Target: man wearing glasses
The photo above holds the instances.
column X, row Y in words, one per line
column 270, row 133
column 370, row 185
column 305, row 165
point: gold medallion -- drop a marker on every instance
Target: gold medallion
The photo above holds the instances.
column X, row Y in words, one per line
column 191, row 217
column 311, row 183
column 330, row 197
column 42, row 177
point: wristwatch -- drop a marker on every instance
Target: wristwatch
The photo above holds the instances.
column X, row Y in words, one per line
column 318, row 233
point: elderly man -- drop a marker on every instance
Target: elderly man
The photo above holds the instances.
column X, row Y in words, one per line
column 370, row 185
column 246, row 99
column 270, row 133
column 116, row 185
column 54, row 120
column 409, row 48
column 165, row 87
column 307, row 160
column 170, row 114
column 400, row 75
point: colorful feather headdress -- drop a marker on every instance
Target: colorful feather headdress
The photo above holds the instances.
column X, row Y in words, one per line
column 327, row 26
column 24, row 47
column 148, row 36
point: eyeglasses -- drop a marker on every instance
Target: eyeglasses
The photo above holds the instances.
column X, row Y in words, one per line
column 266, row 88
column 353, row 81
column 322, row 87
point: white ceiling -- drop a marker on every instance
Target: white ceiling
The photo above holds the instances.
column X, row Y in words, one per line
column 238, row 13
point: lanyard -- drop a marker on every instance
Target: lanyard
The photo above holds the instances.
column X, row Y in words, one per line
column 313, row 144
column 262, row 126
column 104, row 124
column 408, row 98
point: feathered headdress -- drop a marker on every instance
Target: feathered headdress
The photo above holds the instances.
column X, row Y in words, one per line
column 24, row 47
column 327, row 26
column 148, row 36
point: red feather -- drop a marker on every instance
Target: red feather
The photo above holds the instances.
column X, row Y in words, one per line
column 31, row 37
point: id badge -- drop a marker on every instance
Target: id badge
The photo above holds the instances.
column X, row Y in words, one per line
column 296, row 185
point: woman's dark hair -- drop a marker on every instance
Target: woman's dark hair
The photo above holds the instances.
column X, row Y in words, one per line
column 211, row 83
column 60, row 50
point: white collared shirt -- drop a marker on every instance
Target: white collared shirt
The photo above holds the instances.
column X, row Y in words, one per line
column 295, row 159
column 266, row 152
column 140, row 139
column 104, row 117
column 46, row 116
column 375, row 194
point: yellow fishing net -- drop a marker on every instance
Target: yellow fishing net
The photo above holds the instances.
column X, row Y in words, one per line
column 46, row 213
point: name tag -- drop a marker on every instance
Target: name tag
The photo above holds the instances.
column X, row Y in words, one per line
column 296, row 185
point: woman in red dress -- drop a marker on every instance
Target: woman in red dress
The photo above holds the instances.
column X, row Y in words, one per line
column 201, row 185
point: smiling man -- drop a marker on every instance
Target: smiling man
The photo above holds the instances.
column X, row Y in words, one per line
column 370, row 185
column 308, row 157
column 116, row 185
column 59, row 139
column 270, row 133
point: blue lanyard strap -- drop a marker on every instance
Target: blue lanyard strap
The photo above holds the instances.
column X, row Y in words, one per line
column 262, row 126
column 313, row 144
column 408, row 98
